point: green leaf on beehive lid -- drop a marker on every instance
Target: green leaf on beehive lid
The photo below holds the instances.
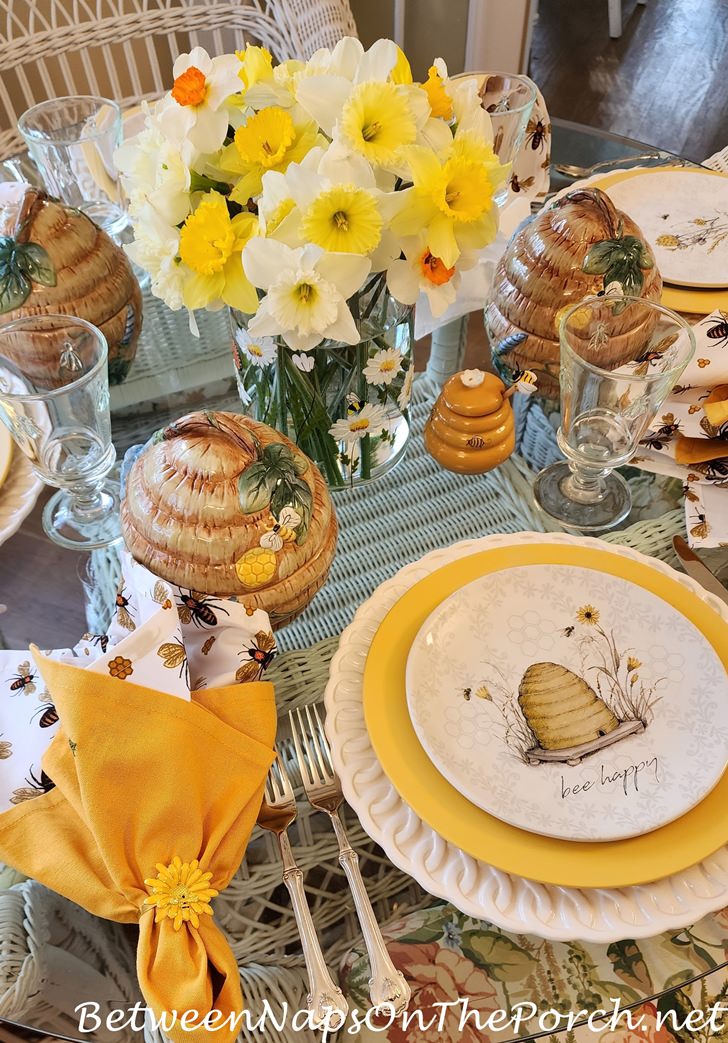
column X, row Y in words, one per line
column 15, row 287
column 34, row 261
column 255, row 486
column 600, row 256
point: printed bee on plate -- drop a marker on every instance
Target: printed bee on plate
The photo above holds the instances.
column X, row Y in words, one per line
column 702, row 529
column 536, row 132
column 719, row 330
column 23, row 681
column 568, row 631
column 282, row 531
column 195, row 608
column 34, row 788
column 123, row 612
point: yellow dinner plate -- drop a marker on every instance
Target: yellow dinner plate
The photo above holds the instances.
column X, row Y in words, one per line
column 674, row 847
column 6, row 452
column 679, row 298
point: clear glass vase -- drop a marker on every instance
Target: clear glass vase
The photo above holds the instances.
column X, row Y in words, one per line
column 345, row 406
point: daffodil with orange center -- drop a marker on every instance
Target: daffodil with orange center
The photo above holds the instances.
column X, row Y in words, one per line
column 194, row 113
column 452, row 197
column 421, row 271
column 210, row 245
column 180, row 892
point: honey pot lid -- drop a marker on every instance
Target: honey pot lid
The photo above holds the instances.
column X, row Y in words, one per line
column 473, row 392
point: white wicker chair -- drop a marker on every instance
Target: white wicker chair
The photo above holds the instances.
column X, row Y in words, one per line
column 124, row 49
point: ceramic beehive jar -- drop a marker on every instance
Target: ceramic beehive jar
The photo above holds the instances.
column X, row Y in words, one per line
column 221, row 504
column 471, row 429
column 69, row 266
column 574, row 248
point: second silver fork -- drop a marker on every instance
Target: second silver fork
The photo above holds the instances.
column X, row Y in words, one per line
column 387, row 985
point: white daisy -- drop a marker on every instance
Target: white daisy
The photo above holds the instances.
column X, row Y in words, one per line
column 406, row 393
column 369, row 420
column 383, row 367
column 303, row 362
column 261, row 351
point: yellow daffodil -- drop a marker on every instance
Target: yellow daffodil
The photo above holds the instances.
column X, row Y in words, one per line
column 180, row 892
column 401, row 73
column 343, row 219
column 440, row 100
column 452, row 197
column 377, row 121
column 211, row 244
column 256, row 64
column 269, row 140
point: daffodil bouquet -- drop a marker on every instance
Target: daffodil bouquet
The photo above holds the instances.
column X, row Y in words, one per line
column 317, row 200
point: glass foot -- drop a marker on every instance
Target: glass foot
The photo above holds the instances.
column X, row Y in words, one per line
column 551, row 494
column 84, row 527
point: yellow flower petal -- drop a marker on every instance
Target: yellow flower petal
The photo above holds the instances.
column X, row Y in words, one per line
column 344, row 219
column 377, row 121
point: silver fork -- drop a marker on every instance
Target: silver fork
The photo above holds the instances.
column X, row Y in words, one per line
column 325, row 1000
column 571, row 170
column 387, row 985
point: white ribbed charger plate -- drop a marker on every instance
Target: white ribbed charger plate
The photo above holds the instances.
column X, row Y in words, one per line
column 479, row 890
column 18, row 494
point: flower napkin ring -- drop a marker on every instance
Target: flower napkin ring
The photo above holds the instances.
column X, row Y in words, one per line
column 180, row 892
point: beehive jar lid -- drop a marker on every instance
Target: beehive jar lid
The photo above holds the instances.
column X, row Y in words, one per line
column 473, row 392
column 221, row 504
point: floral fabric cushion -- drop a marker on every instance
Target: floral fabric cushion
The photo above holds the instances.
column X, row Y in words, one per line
column 448, row 958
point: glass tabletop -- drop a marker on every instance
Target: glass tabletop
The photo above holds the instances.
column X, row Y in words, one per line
column 174, row 372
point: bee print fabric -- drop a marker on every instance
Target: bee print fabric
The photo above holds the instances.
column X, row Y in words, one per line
column 162, row 637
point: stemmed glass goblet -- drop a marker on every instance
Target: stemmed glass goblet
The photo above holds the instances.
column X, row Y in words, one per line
column 620, row 358
column 54, row 398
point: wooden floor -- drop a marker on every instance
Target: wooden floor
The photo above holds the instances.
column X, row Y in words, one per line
column 663, row 82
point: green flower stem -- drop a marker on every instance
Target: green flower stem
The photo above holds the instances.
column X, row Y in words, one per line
column 366, row 443
column 282, row 424
column 312, row 434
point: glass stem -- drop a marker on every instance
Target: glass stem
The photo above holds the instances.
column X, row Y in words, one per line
column 585, row 486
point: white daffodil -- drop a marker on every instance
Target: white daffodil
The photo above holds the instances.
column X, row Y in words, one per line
column 383, row 367
column 306, row 291
column 156, row 250
column 303, row 362
column 261, row 351
column 153, row 171
column 406, row 393
column 422, row 272
column 195, row 111
column 370, row 420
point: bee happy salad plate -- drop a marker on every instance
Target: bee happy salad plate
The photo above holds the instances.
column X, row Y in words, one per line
column 569, row 702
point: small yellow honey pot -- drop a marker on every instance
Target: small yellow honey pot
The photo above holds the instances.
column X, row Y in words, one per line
column 471, row 429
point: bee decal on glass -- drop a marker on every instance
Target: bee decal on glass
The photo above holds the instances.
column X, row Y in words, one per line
column 196, row 608
column 35, row 788
column 160, row 594
column 259, row 654
column 702, row 529
column 521, row 186
column 719, row 330
column 6, row 749
column 282, row 531
column 536, row 132
column 123, row 612
column 24, row 680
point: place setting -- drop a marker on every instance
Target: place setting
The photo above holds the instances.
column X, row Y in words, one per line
column 391, row 482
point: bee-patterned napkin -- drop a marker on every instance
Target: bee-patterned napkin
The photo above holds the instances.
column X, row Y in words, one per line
column 689, row 437
column 162, row 637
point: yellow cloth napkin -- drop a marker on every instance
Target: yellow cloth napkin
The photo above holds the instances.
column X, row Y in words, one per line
column 143, row 778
